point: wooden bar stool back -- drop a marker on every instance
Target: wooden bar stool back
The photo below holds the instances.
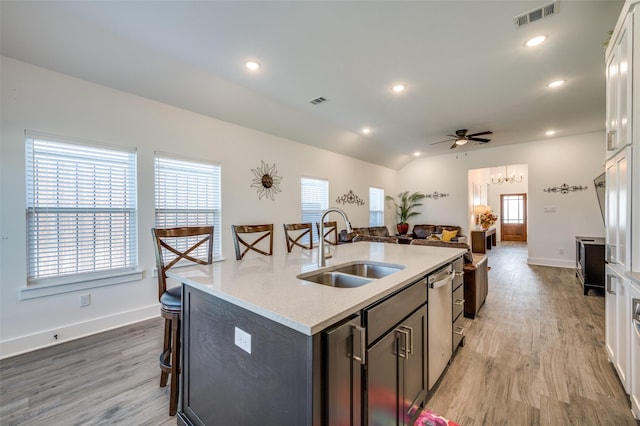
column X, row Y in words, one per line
column 255, row 234
column 295, row 235
column 174, row 246
column 330, row 232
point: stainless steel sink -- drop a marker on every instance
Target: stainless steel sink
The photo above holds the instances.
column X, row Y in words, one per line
column 352, row 274
column 369, row 270
column 336, row 279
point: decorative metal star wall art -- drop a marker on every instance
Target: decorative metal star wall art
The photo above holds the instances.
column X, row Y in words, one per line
column 266, row 180
column 350, row 198
column 436, row 195
column 565, row 189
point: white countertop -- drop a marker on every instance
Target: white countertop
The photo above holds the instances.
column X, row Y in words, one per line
column 268, row 285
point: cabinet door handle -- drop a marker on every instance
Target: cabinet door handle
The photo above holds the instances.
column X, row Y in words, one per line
column 459, row 302
column 404, row 349
column 459, row 273
column 358, row 341
column 609, row 279
column 410, row 331
column 459, row 331
column 610, row 144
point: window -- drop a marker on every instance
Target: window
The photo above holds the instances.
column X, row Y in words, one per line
column 188, row 194
column 513, row 209
column 315, row 199
column 376, row 207
column 81, row 211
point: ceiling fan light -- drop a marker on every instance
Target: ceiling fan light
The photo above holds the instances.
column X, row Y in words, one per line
column 461, row 141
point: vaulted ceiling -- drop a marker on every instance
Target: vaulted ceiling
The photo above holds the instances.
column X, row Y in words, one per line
column 464, row 65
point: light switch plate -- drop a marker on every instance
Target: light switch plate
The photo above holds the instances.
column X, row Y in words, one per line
column 242, row 340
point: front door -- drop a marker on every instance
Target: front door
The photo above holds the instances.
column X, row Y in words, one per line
column 513, row 217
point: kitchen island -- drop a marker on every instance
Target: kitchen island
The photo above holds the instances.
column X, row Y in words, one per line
column 254, row 334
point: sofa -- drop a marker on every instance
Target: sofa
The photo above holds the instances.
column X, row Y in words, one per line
column 422, row 232
column 380, row 232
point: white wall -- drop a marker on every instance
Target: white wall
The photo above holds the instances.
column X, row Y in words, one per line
column 40, row 100
column 574, row 160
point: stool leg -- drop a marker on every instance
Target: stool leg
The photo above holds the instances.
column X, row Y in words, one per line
column 166, row 351
column 175, row 366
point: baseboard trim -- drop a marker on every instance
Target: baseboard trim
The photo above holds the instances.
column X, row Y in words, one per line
column 43, row 339
column 551, row 262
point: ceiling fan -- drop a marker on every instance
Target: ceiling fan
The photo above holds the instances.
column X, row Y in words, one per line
column 461, row 137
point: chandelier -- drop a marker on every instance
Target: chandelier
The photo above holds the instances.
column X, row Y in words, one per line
column 506, row 178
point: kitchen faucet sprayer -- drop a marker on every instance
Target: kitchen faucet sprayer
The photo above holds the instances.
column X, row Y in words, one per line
column 322, row 261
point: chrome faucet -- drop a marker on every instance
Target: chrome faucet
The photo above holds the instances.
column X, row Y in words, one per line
column 322, row 261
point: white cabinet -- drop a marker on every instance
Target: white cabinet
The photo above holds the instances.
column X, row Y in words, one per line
column 634, row 391
column 617, row 331
column 619, row 88
column 618, row 211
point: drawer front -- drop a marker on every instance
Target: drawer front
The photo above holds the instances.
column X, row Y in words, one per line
column 458, row 331
column 458, row 267
column 383, row 316
column 458, row 302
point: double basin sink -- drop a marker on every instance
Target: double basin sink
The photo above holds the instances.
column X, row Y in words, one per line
column 351, row 274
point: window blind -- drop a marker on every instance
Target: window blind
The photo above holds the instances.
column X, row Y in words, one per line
column 314, row 200
column 187, row 193
column 376, row 207
column 81, row 209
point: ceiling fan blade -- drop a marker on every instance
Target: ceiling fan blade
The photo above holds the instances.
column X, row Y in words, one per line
column 454, row 145
column 454, row 136
column 481, row 140
column 446, row 140
column 488, row 132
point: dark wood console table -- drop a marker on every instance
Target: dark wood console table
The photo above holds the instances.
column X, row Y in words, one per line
column 481, row 241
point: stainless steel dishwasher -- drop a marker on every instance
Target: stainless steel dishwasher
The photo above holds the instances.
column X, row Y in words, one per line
column 440, row 328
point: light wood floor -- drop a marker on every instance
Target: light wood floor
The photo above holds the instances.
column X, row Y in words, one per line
column 534, row 356
column 535, row 353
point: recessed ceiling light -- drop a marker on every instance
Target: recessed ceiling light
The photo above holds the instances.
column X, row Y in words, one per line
column 556, row 83
column 398, row 88
column 416, row 154
column 550, row 132
column 252, row 65
column 536, row 41
column 366, row 130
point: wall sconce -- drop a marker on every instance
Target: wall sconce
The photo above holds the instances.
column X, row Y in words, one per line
column 506, row 178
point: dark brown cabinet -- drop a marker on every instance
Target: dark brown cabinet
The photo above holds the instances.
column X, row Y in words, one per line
column 590, row 263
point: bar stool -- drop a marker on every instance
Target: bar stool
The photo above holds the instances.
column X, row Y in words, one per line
column 301, row 229
column 260, row 232
column 173, row 246
column 330, row 232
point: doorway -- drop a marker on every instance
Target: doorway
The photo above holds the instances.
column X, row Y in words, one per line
column 513, row 217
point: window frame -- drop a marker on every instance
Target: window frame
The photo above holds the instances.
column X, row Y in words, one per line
column 63, row 193
column 381, row 199
column 313, row 215
column 193, row 215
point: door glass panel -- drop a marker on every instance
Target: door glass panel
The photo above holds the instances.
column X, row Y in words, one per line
column 513, row 209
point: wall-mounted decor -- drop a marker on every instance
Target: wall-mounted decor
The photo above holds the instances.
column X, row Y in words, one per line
column 436, row 195
column 350, row 198
column 266, row 180
column 565, row 189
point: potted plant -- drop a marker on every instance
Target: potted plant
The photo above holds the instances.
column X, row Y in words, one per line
column 406, row 202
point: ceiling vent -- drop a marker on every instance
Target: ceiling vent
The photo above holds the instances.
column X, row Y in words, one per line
column 537, row 13
column 318, row 100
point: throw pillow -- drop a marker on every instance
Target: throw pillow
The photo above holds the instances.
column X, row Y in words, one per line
column 448, row 235
column 433, row 237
